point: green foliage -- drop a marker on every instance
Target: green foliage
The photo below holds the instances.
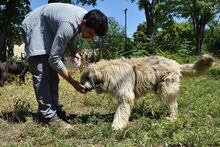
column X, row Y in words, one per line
column 12, row 13
column 161, row 14
column 136, row 49
column 142, row 44
column 200, row 13
column 212, row 39
column 110, row 46
column 60, row 1
column 140, row 34
column 203, row 9
column 175, row 38
column 113, row 44
column 181, row 58
column 87, row 2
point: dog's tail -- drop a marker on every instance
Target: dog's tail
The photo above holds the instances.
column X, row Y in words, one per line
column 199, row 67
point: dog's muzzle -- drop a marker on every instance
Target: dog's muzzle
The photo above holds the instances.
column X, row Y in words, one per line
column 88, row 84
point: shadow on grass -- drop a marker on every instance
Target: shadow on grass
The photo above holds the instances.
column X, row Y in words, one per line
column 17, row 117
column 21, row 116
column 95, row 118
column 21, row 111
column 90, row 118
column 136, row 113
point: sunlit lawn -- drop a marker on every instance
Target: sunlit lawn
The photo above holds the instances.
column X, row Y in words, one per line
column 91, row 116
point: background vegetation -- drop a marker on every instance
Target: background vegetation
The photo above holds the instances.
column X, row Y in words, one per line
column 196, row 34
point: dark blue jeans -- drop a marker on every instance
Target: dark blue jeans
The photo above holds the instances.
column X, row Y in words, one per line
column 45, row 83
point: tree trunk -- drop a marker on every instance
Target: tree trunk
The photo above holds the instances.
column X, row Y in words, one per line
column 150, row 26
column 3, row 43
column 198, row 27
column 148, row 10
column 199, row 22
column 198, row 44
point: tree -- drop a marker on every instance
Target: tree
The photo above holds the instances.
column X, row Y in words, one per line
column 172, row 37
column 212, row 38
column 176, row 38
column 152, row 10
column 112, row 45
column 149, row 7
column 142, row 45
column 109, row 46
column 12, row 12
column 87, row 2
column 61, row 1
column 200, row 12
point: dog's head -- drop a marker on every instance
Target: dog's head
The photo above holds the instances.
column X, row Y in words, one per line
column 91, row 78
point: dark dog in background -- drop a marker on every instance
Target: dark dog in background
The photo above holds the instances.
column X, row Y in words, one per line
column 12, row 67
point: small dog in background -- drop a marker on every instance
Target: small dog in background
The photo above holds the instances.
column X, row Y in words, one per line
column 128, row 79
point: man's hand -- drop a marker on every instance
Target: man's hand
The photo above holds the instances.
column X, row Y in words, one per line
column 77, row 55
column 78, row 86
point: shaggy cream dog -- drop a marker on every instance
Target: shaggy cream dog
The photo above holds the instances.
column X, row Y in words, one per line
column 128, row 79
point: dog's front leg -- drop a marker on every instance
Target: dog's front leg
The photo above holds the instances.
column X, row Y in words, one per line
column 122, row 115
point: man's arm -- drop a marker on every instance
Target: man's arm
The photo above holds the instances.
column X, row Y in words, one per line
column 63, row 35
column 65, row 74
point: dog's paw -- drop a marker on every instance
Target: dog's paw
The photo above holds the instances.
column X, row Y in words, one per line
column 116, row 127
column 171, row 118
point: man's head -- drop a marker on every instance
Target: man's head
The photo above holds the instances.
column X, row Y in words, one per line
column 95, row 23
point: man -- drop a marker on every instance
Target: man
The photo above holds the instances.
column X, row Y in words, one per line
column 48, row 31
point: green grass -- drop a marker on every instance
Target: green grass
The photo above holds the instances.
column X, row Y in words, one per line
column 91, row 116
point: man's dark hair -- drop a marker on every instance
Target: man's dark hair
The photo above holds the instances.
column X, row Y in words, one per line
column 96, row 20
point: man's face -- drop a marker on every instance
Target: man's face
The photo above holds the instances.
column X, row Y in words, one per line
column 87, row 33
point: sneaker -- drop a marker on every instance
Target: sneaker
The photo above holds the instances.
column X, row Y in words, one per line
column 55, row 121
column 40, row 119
column 61, row 123
column 61, row 113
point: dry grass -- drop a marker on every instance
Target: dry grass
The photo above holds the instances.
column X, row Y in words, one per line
column 91, row 116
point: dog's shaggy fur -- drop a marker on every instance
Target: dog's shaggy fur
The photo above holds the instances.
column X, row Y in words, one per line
column 128, row 79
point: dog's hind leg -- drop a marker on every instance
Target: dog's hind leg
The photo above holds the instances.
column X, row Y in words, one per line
column 168, row 91
column 3, row 76
column 22, row 74
column 123, row 113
